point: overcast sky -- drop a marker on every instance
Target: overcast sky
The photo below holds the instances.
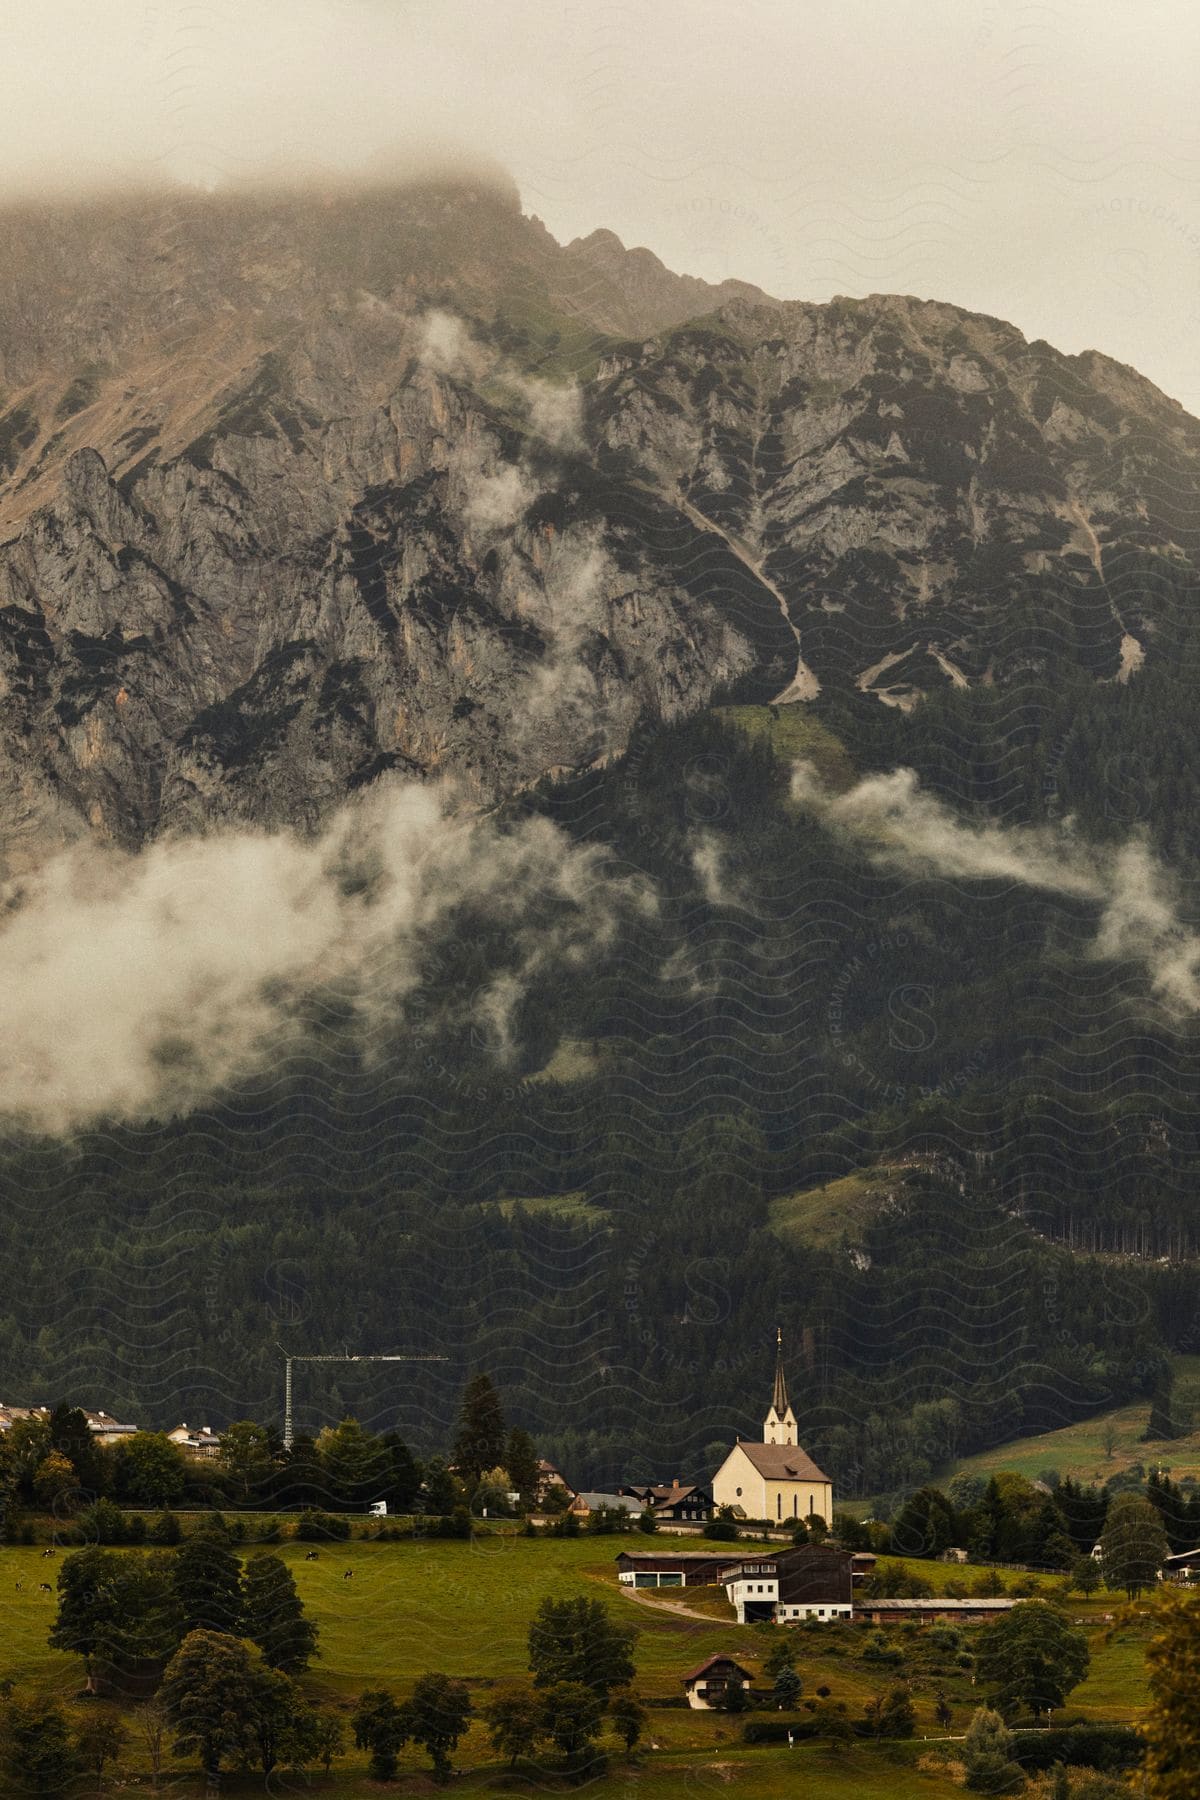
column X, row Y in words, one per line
column 1039, row 161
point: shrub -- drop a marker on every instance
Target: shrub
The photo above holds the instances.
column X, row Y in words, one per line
column 721, row 1531
column 1111, row 1748
column 313, row 1525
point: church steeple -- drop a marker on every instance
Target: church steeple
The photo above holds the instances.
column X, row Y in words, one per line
column 779, row 1426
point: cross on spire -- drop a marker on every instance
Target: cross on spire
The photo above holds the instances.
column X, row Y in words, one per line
column 779, row 1426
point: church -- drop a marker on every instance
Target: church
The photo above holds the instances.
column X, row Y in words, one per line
column 774, row 1480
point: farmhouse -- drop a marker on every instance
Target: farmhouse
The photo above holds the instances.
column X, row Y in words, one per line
column 707, row 1685
column 676, row 1504
column 810, row 1581
column 774, row 1479
column 813, row 1581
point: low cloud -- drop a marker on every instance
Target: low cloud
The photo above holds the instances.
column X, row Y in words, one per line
column 901, row 827
column 138, row 985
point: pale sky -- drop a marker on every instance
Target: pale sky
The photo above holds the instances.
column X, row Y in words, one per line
column 1034, row 159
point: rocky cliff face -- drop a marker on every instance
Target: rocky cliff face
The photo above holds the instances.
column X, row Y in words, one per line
column 300, row 490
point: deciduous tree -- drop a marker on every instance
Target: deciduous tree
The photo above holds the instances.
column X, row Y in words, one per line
column 628, row 1717
column 38, row 1754
column 439, row 1711
column 208, row 1583
column 1031, row 1657
column 205, row 1693
column 577, row 1640
column 514, row 1723
column 571, row 1716
column 382, row 1727
column 1171, row 1727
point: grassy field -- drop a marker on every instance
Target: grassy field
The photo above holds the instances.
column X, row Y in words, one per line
column 824, row 1216
column 795, row 736
column 465, row 1608
column 1088, row 1451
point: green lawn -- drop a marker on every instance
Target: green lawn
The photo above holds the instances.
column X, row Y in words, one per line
column 465, row 1608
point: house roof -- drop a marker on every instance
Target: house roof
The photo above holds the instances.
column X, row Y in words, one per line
column 719, row 1656
column 782, row 1462
column 616, row 1502
column 935, row 1603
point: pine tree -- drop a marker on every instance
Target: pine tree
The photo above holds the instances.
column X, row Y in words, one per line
column 480, row 1443
column 273, row 1615
column 1162, row 1422
column 521, row 1461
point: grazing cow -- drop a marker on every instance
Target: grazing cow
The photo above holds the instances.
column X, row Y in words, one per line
column 46, row 1553
column 311, row 1555
column 348, row 1575
column 20, row 1585
column 46, row 1588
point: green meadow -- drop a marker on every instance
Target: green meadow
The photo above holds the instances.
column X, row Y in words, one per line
column 465, row 1608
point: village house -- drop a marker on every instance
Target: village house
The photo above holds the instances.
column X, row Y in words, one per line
column 101, row 1424
column 9, row 1415
column 108, row 1429
column 676, row 1504
column 585, row 1504
column 707, row 1685
column 551, row 1480
column 196, row 1440
column 774, row 1480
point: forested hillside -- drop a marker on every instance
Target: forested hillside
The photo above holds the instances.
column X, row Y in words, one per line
column 589, row 1215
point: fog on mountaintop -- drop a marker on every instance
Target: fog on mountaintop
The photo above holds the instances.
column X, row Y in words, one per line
column 932, row 149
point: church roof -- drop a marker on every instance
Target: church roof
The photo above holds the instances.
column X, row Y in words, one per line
column 782, row 1462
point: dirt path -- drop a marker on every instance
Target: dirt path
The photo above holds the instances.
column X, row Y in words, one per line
column 671, row 1606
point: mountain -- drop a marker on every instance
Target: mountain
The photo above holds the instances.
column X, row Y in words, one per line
column 302, row 488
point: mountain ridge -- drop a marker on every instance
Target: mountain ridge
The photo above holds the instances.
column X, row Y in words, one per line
column 300, row 490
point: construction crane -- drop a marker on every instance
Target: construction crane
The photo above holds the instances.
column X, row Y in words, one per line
column 332, row 1356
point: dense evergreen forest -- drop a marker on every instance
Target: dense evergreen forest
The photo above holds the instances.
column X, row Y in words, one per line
column 596, row 1210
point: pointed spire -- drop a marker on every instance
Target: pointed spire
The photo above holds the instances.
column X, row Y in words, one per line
column 780, row 1401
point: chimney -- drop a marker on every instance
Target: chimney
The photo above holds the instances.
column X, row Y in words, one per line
column 674, row 1481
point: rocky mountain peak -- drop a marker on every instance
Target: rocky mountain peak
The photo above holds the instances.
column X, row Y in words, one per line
column 298, row 490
